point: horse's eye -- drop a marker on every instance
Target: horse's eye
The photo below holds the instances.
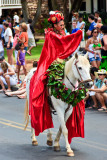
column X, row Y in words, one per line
column 80, row 68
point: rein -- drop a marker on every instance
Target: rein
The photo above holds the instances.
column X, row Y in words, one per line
column 88, row 80
column 78, row 70
column 81, row 82
column 70, row 82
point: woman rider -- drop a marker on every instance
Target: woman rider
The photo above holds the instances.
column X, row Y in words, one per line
column 56, row 45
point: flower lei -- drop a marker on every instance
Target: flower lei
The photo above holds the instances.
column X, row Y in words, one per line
column 58, row 88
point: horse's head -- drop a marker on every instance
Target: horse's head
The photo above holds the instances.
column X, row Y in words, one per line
column 81, row 69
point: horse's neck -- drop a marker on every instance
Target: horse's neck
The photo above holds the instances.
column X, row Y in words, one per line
column 69, row 73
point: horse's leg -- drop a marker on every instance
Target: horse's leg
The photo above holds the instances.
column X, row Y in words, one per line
column 56, row 142
column 49, row 138
column 64, row 130
column 34, row 140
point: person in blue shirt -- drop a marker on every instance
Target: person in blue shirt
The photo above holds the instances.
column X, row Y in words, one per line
column 91, row 27
column 74, row 24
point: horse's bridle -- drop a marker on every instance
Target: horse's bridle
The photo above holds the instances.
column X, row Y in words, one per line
column 78, row 70
column 81, row 82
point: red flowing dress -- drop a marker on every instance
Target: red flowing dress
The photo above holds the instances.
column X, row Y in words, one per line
column 55, row 46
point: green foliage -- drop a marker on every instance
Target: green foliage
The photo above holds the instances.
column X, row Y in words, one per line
column 59, row 89
column 41, row 25
column 103, row 15
column 105, row 21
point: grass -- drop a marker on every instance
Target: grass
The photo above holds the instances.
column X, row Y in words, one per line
column 36, row 51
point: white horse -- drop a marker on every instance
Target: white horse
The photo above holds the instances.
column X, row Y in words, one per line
column 77, row 68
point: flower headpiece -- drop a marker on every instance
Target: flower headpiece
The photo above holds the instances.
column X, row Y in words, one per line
column 55, row 17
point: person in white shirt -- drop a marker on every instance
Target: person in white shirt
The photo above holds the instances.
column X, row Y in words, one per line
column 81, row 25
column 15, row 19
column 9, row 42
column 7, row 75
column 31, row 40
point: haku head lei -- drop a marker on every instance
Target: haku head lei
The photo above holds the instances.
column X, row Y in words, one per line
column 55, row 17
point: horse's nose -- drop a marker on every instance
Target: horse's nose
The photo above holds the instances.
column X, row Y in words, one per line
column 89, row 84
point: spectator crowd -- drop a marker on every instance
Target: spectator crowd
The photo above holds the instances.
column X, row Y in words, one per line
column 18, row 36
column 96, row 47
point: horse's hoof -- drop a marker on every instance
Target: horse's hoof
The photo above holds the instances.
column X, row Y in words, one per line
column 57, row 148
column 70, row 154
column 49, row 143
column 34, row 143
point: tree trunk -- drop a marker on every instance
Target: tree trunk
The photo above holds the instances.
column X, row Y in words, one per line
column 78, row 5
column 66, row 13
column 50, row 5
column 75, row 6
column 24, row 10
column 38, row 13
column 55, row 5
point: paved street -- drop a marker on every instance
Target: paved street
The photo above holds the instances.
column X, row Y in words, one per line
column 15, row 143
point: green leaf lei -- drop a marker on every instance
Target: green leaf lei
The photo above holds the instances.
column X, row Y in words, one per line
column 58, row 88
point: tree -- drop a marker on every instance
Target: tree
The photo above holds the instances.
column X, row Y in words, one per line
column 38, row 13
column 54, row 5
column 25, row 11
column 75, row 5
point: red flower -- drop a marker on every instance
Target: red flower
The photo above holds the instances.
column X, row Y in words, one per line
column 56, row 17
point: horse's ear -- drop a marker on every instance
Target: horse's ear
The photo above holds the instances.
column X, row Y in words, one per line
column 76, row 55
column 86, row 55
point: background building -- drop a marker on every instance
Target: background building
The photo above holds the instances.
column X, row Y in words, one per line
column 90, row 6
column 9, row 7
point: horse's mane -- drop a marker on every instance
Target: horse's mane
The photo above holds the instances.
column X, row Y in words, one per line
column 68, row 64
